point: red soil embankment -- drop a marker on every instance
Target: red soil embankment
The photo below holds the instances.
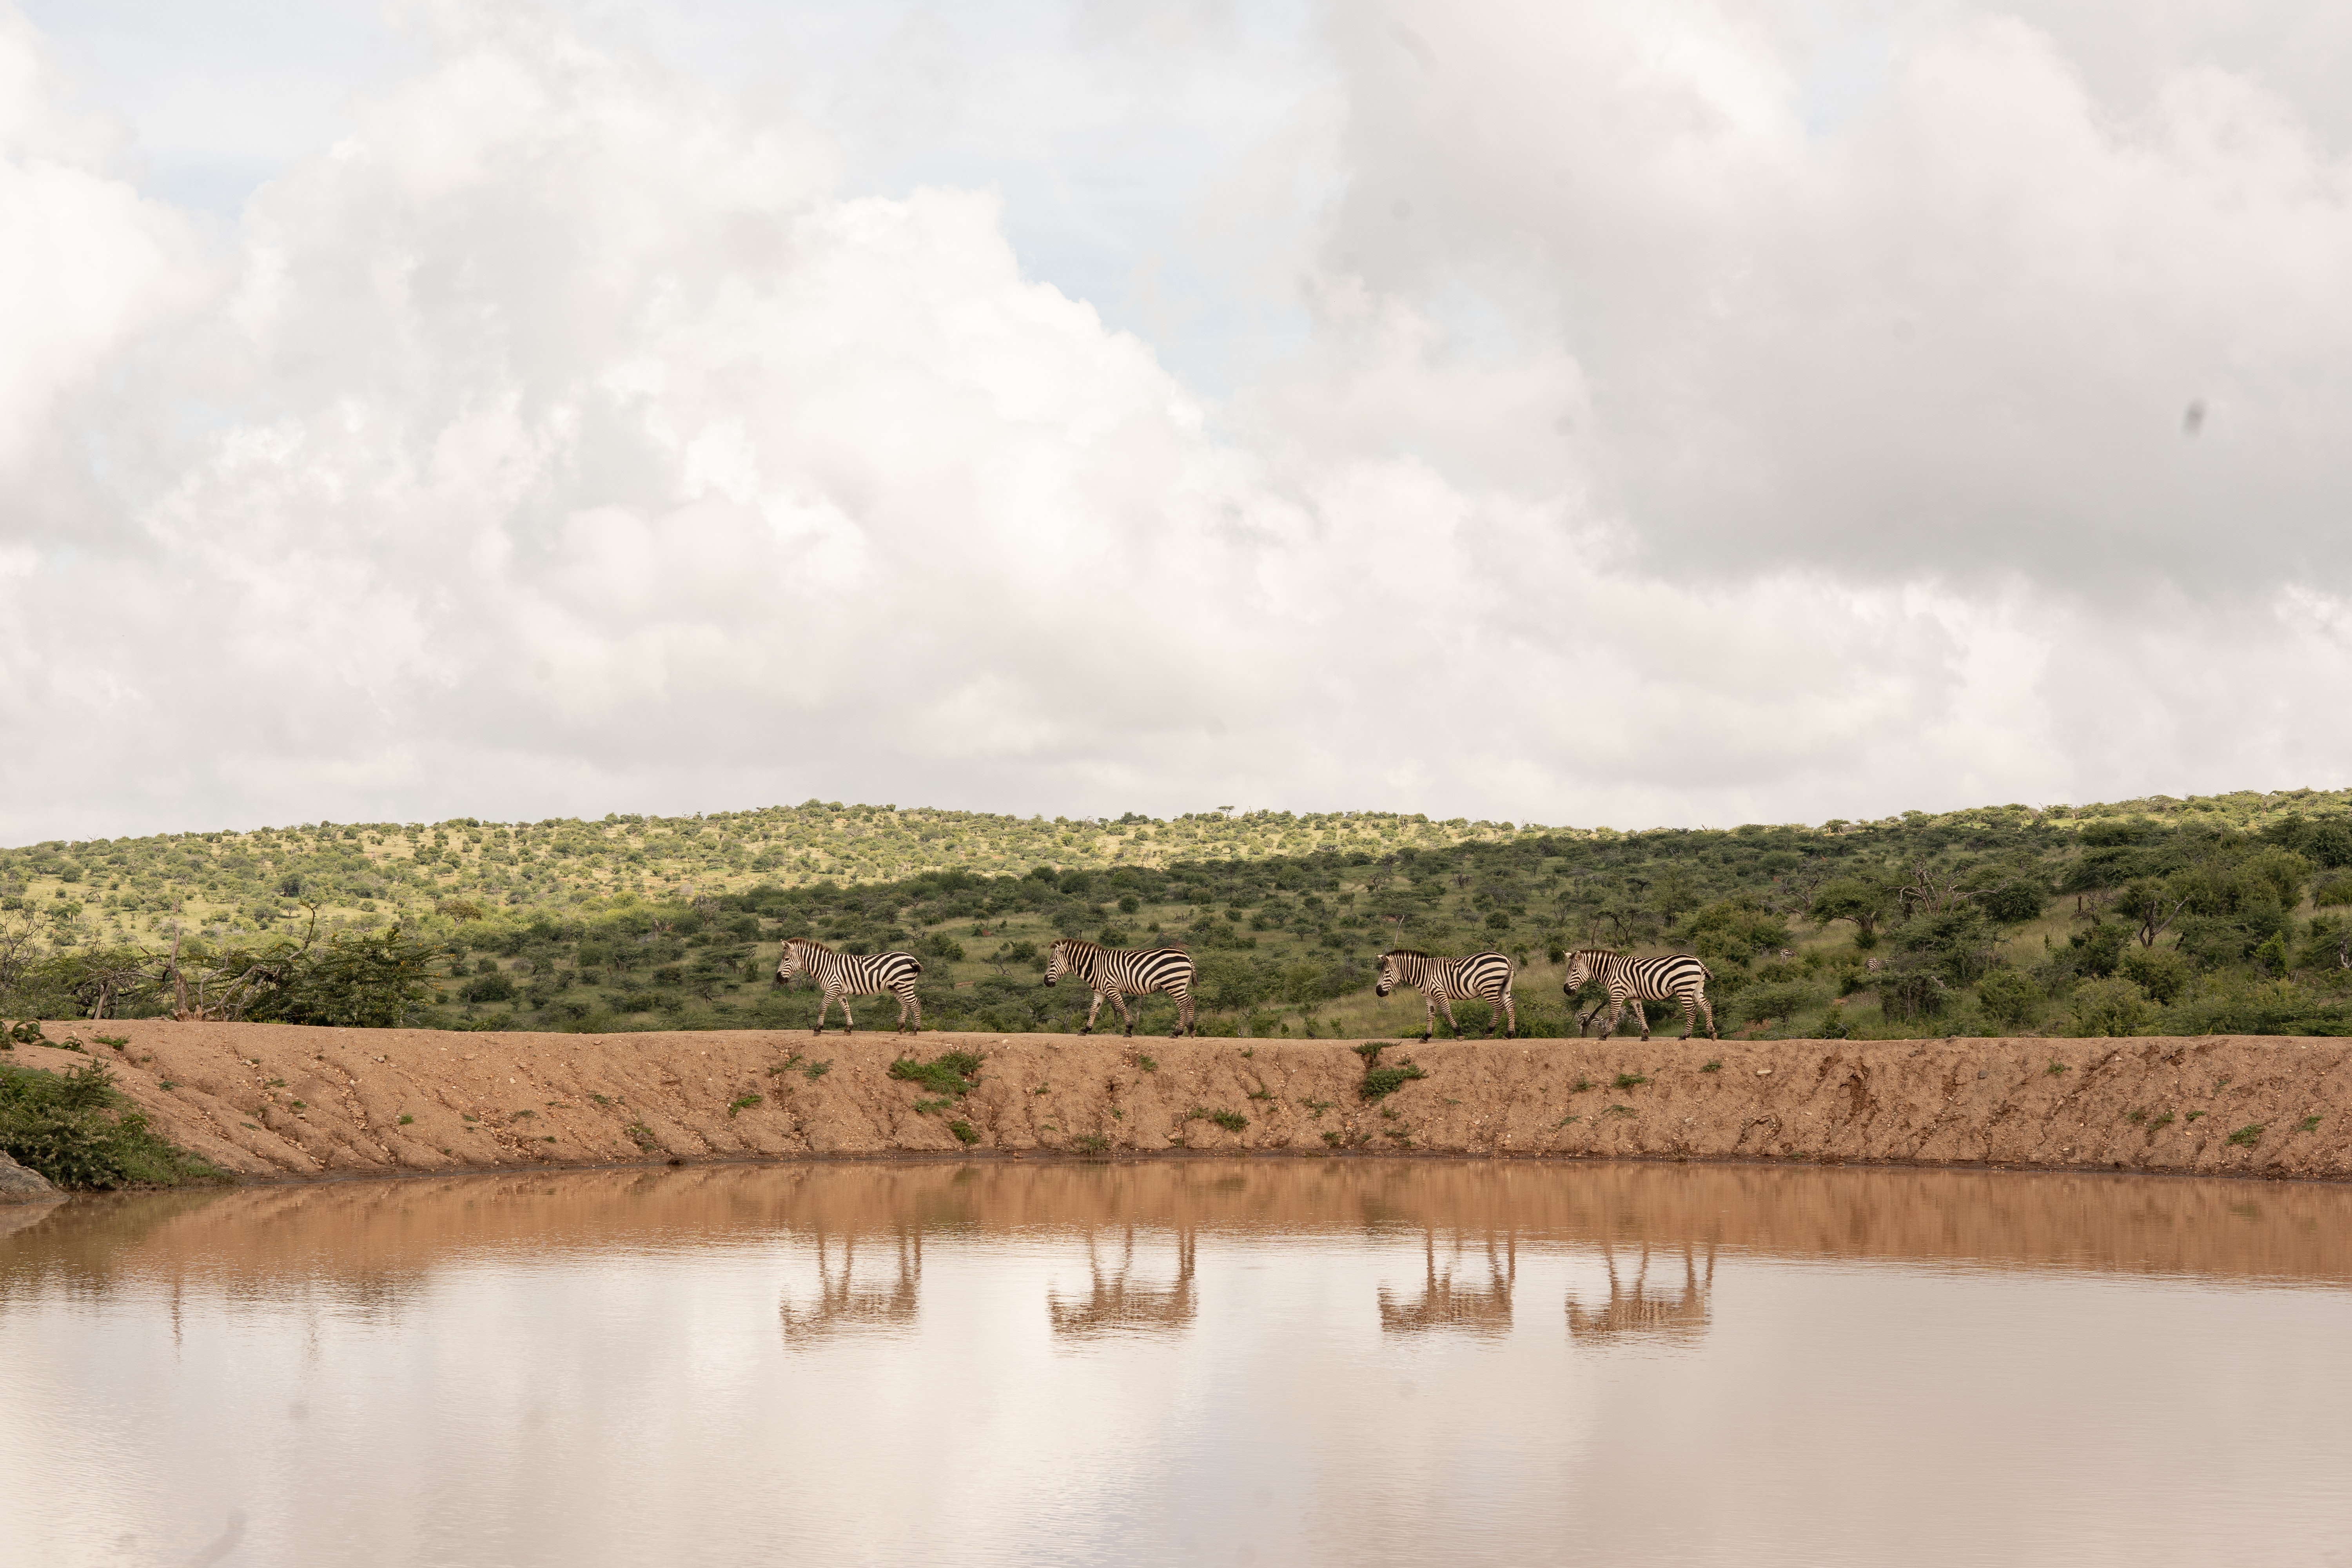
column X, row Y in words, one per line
column 271, row 1100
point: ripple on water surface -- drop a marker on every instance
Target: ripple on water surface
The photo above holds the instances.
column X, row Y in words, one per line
column 1190, row 1362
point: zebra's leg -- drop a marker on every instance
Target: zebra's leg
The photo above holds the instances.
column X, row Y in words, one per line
column 1690, row 1013
column 1708, row 1009
column 909, row 1001
column 1641, row 1017
column 1183, row 1016
column 1447, row 1002
column 1616, row 1012
column 1126, row 1017
column 848, row 1024
column 1510, row 1015
column 820, row 1007
column 1091, row 1013
column 1429, row 1025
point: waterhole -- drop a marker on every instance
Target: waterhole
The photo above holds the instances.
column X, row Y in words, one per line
column 1274, row 1361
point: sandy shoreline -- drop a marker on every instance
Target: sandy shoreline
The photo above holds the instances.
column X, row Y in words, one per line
column 266, row 1100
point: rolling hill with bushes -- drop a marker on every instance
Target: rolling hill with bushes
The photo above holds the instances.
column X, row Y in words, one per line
column 2208, row 914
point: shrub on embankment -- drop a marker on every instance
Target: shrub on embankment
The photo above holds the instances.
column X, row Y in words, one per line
column 78, row 1129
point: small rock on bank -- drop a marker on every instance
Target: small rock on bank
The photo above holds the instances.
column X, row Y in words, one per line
column 20, row 1186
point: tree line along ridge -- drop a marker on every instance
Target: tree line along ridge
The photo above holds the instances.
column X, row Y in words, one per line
column 2197, row 915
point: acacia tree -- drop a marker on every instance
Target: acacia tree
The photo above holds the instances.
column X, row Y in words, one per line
column 2152, row 906
column 1672, row 893
column 1850, row 898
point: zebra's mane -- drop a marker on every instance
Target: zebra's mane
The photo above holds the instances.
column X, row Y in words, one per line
column 1405, row 953
column 806, row 942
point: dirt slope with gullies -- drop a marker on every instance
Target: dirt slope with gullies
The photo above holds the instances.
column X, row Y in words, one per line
column 271, row 1100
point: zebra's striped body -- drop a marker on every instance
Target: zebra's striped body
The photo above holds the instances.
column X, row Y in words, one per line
column 846, row 974
column 1441, row 980
column 1678, row 977
column 1120, row 972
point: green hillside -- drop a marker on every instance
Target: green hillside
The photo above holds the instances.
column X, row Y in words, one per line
column 2222, row 913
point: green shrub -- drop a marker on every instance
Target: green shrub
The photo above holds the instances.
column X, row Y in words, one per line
column 950, row 1072
column 2013, row 902
column 1730, row 932
column 2009, row 998
column 2271, row 1007
column 2097, row 950
column 2109, row 1007
column 491, row 987
column 1379, row 1082
column 2162, row 972
column 1763, row 1003
column 77, row 1129
column 1910, row 991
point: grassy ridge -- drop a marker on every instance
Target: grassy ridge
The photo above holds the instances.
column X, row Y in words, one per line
column 2000, row 918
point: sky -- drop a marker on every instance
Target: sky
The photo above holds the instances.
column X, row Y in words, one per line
column 1631, row 413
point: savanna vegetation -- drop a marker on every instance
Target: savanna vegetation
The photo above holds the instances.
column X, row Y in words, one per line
column 2224, row 913
column 77, row 1129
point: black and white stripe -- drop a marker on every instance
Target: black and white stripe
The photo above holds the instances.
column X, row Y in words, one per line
column 1676, row 976
column 1120, row 972
column 1442, row 979
column 846, row 974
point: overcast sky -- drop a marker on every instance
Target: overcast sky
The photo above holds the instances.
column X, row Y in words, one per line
column 1639, row 413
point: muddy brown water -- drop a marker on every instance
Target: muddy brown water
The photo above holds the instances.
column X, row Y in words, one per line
column 1185, row 1362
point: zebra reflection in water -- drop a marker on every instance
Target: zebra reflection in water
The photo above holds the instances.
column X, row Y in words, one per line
column 1684, row 1315
column 1474, row 1308
column 1117, row 1301
column 843, row 1303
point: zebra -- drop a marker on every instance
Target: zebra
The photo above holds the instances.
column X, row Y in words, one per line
column 1441, row 980
column 1120, row 972
column 1677, row 976
column 846, row 974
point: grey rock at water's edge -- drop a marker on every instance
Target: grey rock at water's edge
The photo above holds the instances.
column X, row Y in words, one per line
column 18, row 1186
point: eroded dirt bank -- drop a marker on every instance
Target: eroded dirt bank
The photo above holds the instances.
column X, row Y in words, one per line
column 272, row 1101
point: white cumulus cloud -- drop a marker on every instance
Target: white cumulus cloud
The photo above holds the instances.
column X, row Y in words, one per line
column 1674, row 437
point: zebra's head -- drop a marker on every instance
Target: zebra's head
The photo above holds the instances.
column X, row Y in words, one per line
column 1581, row 967
column 1057, row 959
column 790, row 962
column 1388, row 980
